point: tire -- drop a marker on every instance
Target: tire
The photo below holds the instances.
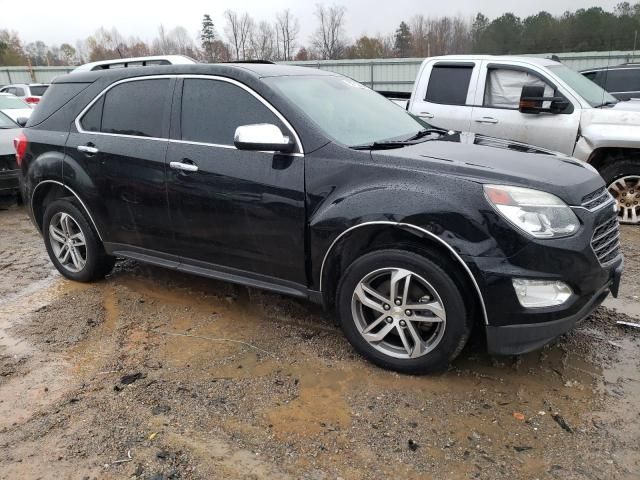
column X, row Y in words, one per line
column 91, row 262
column 623, row 182
column 432, row 292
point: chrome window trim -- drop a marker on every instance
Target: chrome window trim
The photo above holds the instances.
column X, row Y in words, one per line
column 421, row 230
column 187, row 76
column 33, row 194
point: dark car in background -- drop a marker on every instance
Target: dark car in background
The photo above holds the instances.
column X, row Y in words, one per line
column 9, row 182
column 309, row 184
column 621, row 81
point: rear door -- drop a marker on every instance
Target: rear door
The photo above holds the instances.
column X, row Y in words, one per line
column 496, row 109
column 622, row 82
column 120, row 141
column 445, row 100
column 240, row 211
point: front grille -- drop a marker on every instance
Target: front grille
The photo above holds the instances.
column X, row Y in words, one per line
column 8, row 162
column 596, row 199
column 606, row 240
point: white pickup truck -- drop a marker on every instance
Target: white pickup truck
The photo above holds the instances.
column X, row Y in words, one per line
column 538, row 102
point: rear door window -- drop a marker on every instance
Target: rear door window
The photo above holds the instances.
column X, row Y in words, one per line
column 138, row 108
column 213, row 109
column 449, row 84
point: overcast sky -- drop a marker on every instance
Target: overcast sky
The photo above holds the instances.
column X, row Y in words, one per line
column 57, row 21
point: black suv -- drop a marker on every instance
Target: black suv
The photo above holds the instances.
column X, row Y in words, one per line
column 309, row 184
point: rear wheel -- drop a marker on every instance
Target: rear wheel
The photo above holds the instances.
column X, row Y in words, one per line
column 402, row 311
column 72, row 244
column 623, row 182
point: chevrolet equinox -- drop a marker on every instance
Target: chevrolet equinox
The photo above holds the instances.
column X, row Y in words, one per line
column 309, row 184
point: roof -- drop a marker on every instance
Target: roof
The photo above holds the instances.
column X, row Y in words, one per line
column 257, row 70
column 543, row 62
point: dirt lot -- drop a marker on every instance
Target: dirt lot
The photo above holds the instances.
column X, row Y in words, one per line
column 157, row 375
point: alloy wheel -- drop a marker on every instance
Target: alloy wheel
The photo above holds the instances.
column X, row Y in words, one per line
column 398, row 313
column 68, row 242
column 626, row 191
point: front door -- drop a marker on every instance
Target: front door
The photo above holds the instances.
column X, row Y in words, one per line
column 235, row 210
column 496, row 112
column 121, row 144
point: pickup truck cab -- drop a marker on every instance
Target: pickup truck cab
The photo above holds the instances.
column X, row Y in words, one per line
column 538, row 102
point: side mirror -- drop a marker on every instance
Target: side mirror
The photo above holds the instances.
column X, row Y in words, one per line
column 262, row 137
column 22, row 121
column 532, row 99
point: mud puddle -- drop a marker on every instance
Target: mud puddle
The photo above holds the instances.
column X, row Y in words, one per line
column 153, row 374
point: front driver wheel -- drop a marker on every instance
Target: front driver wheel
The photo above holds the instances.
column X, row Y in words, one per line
column 402, row 311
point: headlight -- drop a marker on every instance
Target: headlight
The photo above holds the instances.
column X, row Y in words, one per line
column 537, row 213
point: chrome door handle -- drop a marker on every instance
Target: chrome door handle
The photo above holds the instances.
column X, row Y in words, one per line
column 425, row 115
column 88, row 149
column 185, row 167
column 487, row 120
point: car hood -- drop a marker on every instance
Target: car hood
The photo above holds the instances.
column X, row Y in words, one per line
column 490, row 160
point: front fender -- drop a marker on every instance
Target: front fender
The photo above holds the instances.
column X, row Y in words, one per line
column 451, row 209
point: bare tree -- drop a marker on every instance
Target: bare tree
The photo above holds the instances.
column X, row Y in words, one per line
column 287, row 29
column 238, row 31
column 263, row 42
column 328, row 39
column 419, row 27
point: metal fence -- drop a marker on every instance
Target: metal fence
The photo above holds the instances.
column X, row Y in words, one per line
column 397, row 74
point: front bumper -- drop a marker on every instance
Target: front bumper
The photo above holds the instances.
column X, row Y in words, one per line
column 523, row 338
column 513, row 329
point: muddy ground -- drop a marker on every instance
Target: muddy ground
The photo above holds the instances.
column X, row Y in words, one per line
column 152, row 374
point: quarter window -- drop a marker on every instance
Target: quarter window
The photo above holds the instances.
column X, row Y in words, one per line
column 449, row 84
column 138, row 108
column 213, row 109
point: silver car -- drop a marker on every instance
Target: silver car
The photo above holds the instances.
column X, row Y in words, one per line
column 29, row 92
column 9, row 183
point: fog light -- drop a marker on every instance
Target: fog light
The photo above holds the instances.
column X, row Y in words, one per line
column 541, row 293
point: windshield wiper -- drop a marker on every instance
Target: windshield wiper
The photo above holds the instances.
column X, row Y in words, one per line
column 607, row 104
column 428, row 131
column 383, row 145
column 388, row 144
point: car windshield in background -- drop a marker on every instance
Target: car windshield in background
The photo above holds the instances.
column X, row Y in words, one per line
column 38, row 90
column 346, row 110
column 591, row 92
column 6, row 122
column 10, row 102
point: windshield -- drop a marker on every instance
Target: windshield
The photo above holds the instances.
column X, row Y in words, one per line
column 10, row 102
column 346, row 110
column 6, row 122
column 589, row 91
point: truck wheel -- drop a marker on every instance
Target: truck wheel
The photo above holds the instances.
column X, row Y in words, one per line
column 623, row 182
column 72, row 244
column 402, row 312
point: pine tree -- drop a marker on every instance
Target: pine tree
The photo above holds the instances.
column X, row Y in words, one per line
column 207, row 37
column 403, row 40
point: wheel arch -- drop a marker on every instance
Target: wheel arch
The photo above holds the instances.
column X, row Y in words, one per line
column 48, row 190
column 370, row 236
column 601, row 156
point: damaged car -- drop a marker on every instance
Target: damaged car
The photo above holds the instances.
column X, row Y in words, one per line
column 309, row 184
